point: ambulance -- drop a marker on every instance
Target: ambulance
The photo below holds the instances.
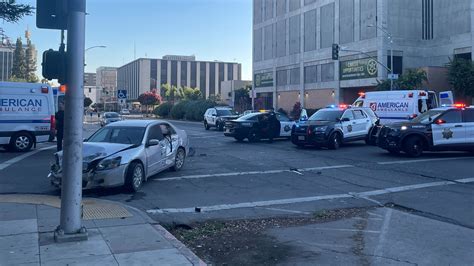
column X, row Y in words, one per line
column 402, row 105
column 26, row 115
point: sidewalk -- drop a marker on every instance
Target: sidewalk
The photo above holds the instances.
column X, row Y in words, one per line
column 118, row 235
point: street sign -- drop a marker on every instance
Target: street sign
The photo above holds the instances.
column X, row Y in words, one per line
column 393, row 76
column 358, row 69
column 122, row 101
column 122, row 94
column 264, row 80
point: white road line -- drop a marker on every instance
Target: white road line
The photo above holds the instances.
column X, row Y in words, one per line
column 23, row 156
column 385, row 227
column 345, row 230
column 253, row 173
column 304, row 199
column 423, row 160
column 285, row 210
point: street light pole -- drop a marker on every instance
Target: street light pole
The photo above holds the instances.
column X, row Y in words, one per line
column 390, row 37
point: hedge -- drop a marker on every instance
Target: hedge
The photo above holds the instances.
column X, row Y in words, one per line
column 163, row 110
column 191, row 110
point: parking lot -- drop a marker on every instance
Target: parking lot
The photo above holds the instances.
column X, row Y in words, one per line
column 228, row 180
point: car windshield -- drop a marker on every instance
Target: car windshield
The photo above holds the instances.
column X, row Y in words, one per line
column 326, row 115
column 222, row 112
column 247, row 117
column 427, row 117
column 122, row 135
column 111, row 115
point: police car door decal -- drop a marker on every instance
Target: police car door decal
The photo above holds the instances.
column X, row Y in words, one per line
column 448, row 129
column 285, row 128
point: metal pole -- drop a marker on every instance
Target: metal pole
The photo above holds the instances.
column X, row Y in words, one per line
column 391, row 63
column 71, row 194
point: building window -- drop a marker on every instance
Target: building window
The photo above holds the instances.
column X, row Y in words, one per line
column 311, row 74
column 295, row 76
column 268, row 9
column 280, row 7
column 268, row 43
column 257, row 11
column 258, row 44
column 294, row 4
column 466, row 56
column 193, row 75
column 282, row 77
column 327, row 72
column 212, row 79
column 295, row 34
column 397, row 64
column 281, row 38
column 230, row 71
column 174, row 73
column 202, row 78
column 427, row 19
column 164, row 72
column 327, row 25
column 221, row 75
column 153, row 74
column 310, row 30
column 184, row 73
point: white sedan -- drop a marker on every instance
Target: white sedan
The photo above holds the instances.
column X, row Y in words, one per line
column 127, row 153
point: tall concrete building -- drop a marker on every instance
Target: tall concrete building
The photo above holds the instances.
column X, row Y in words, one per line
column 6, row 62
column 90, row 79
column 292, row 41
column 145, row 74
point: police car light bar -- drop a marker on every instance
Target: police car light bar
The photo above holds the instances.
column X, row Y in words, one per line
column 456, row 105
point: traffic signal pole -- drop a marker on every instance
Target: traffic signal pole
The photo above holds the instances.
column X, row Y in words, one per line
column 70, row 228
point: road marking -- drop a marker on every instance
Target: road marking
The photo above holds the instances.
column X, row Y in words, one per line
column 254, row 173
column 385, row 227
column 306, row 199
column 423, row 160
column 285, row 210
column 21, row 157
column 345, row 230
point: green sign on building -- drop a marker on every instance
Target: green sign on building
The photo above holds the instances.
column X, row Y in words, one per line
column 264, row 80
column 358, row 69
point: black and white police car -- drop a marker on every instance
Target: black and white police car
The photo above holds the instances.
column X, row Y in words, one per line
column 217, row 116
column 254, row 126
column 449, row 128
column 335, row 125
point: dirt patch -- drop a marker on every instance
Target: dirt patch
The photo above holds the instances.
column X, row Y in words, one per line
column 243, row 242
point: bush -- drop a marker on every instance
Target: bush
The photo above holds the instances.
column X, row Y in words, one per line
column 163, row 110
column 196, row 109
column 179, row 110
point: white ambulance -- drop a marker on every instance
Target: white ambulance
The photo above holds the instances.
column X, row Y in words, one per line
column 402, row 105
column 26, row 114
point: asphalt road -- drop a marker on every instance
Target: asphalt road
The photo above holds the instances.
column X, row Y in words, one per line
column 225, row 179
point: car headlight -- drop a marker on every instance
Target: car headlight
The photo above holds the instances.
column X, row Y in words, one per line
column 320, row 129
column 403, row 128
column 107, row 164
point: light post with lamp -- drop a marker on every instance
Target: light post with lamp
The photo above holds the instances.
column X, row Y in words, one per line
column 390, row 38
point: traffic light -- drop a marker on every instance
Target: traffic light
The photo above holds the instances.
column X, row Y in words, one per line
column 54, row 65
column 51, row 14
column 335, row 51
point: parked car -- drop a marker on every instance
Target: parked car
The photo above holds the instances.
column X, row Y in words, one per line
column 254, row 126
column 127, row 153
column 441, row 129
column 335, row 125
column 109, row 117
column 217, row 116
column 124, row 112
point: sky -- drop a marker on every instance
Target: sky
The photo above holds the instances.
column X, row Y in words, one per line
column 209, row 29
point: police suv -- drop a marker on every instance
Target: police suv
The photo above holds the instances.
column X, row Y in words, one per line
column 449, row 128
column 217, row 116
column 26, row 114
column 335, row 125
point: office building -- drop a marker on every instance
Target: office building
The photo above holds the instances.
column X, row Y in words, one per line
column 292, row 44
column 6, row 62
column 90, row 79
column 145, row 74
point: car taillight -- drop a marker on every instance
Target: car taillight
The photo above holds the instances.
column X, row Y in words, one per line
column 53, row 122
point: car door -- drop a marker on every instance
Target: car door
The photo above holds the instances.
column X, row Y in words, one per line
column 448, row 129
column 468, row 123
column 348, row 126
column 362, row 123
column 171, row 143
column 213, row 117
column 154, row 154
column 285, row 125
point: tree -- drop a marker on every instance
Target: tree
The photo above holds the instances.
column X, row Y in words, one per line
column 149, row 98
column 191, row 94
column 30, row 63
column 12, row 12
column 87, row 102
column 461, row 76
column 412, row 79
column 19, row 68
column 172, row 93
column 242, row 100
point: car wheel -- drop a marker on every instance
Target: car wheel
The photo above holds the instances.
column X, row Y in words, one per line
column 334, row 141
column 206, row 126
column 220, row 126
column 370, row 138
column 135, row 177
column 179, row 159
column 253, row 136
column 21, row 142
column 413, row 146
column 239, row 139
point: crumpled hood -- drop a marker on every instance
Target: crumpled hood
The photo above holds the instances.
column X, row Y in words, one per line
column 95, row 150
